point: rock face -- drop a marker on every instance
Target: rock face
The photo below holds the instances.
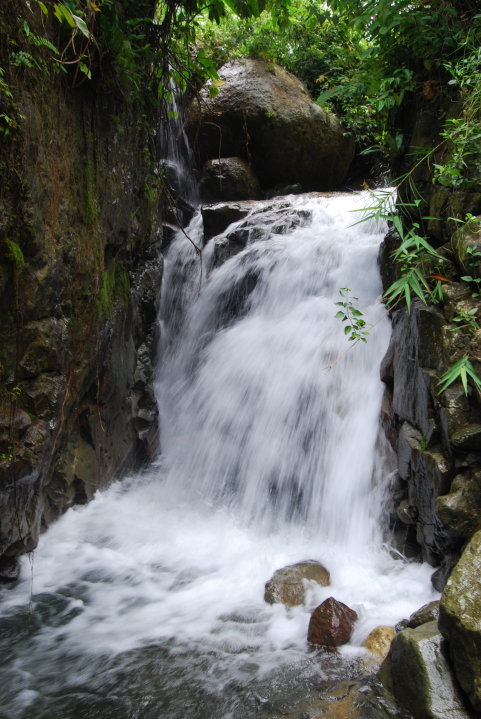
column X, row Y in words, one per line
column 287, row 585
column 438, row 497
column 229, row 178
column 266, row 116
column 419, row 675
column 331, row 624
column 460, row 620
column 80, row 267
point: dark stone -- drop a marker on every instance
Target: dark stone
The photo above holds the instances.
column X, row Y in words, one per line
column 331, row 624
column 217, row 218
column 427, row 613
column 260, row 224
column 9, row 570
column 228, row 178
column 460, row 510
column 440, row 576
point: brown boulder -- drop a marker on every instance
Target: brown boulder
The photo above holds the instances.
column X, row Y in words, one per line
column 286, row 586
column 266, row 116
column 331, row 624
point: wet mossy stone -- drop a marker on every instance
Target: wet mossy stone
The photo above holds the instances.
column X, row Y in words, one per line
column 460, row 620
column 427, row 613
column 419, row 676
column 228, row 178
column 460, row 510
column 286, row 586
column 379, row 640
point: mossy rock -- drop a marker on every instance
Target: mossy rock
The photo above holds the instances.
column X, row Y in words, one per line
column 459, row 510
column 420, row 676
column 460, row 620
column 379, row 640
column 286, row 585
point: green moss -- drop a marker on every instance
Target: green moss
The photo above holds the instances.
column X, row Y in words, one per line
column 12, row 254
column 115, row 288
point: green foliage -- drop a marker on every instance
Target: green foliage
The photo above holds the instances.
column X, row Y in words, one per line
column 466, row 321
column 463, row 133
column 355, row 328
column 460, row 370
column 418, row 262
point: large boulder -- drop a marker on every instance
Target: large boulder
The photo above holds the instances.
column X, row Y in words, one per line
column 331, row 624
column 417, row 673
column 287, row 585
column 265, row 115
column 460, row 620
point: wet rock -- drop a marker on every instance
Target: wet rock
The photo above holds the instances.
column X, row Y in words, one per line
column 419, row 675
column 36, row 434
column 379, row 640
column 460, row 510
column 261, row 224
column 331, row 624
column 43, row 394
column 264, row 114
column 427, row 473
column 287, row 585
column 467, row 438
column 467, row 237
column 460, row 620
column 228, row 178
column 9, row 570
column 218, row 217
column 16, row 421
column 281, row 190
column 427, row 613
column 46, row 346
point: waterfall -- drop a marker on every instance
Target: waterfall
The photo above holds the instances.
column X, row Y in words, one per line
column 272, row 410
column 149, row 602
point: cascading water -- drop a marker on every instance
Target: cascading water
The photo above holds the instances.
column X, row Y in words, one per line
column 149, row 601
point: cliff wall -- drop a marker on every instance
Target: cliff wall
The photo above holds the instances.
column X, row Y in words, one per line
column 80, row 270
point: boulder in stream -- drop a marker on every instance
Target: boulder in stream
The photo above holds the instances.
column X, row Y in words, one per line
column 379, row 640
column 331, row 624
column 266, row 116
column 287, row 585
column 418, row 674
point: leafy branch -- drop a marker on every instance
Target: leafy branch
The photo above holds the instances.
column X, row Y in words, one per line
column 355, row 327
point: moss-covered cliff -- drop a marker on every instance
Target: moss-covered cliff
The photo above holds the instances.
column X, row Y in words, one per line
column 80, row 268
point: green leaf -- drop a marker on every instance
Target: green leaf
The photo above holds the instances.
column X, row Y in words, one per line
column 85, row 69
column 81, row 25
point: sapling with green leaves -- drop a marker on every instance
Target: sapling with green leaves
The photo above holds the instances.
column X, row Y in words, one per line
column 355, row 328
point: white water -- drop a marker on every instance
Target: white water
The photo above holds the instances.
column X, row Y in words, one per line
column 271, row 454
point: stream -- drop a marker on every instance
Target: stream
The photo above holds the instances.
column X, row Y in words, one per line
column 148, row 602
